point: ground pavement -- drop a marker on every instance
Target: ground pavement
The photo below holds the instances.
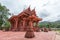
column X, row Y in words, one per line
column 57, row 36
column 20, row 36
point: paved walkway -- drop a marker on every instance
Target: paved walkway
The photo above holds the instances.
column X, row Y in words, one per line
column 20, row 36
column 57, row 36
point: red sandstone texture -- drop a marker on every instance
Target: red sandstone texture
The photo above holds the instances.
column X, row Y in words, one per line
column 21, row 22
column 20, row 36
column 25, row 22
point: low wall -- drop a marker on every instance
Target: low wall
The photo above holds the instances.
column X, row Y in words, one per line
column 56, row 29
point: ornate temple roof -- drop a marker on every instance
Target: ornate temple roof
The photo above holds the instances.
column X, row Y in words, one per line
column 26, row 13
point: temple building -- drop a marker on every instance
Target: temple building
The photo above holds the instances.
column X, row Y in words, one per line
column 25, row 20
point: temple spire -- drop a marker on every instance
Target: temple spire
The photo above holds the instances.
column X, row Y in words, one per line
column 33, row 12
column 29, row 8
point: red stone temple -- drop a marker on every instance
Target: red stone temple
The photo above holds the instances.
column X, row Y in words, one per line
column 25, row 20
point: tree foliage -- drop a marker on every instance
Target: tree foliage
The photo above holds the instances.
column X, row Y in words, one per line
column 4, row 14
column 55, row 24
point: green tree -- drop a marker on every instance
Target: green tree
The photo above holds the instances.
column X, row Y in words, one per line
column 4, row 14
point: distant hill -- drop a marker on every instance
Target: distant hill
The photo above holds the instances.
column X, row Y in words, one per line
column 46, row 22
column 51, row 24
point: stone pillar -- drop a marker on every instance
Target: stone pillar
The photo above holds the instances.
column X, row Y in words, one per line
column 24, row 20
column 15, row 25
column 30, row 32
column 22, row 25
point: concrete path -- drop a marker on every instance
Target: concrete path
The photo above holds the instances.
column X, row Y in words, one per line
column 20, row 36
column 57, row 36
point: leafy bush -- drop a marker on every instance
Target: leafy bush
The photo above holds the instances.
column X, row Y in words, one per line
column 6, row 26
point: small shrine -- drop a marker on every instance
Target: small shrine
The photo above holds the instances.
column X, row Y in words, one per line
column 25, row 20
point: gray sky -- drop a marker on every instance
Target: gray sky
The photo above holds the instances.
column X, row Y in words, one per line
column 49, row 10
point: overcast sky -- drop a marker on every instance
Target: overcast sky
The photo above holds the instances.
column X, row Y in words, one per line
column 49, row 10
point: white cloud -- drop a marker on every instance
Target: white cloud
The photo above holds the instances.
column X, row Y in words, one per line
column 51, row 7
